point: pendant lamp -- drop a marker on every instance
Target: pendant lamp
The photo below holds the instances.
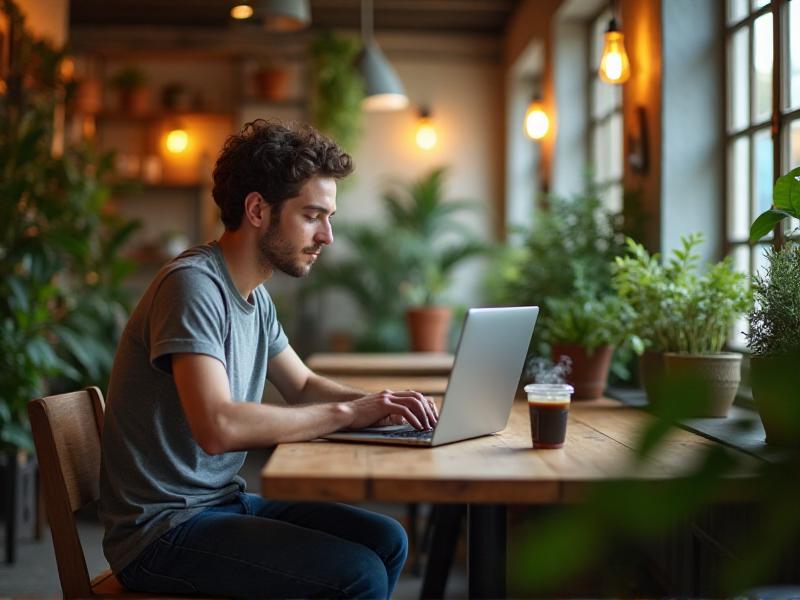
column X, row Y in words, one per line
column 285, row 15
column 383, row 90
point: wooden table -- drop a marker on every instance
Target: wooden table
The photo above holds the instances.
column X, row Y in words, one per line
column 437, row 364
column 488, row 473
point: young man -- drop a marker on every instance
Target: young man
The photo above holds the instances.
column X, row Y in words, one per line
column 185, row 391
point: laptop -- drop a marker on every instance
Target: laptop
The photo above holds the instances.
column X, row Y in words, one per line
column 489, row 359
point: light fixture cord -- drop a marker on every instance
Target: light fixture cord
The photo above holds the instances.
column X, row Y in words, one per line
column 366, row 21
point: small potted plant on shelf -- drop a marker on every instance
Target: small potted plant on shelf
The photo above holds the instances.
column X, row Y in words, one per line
column 586, row 327
column 774, row 322
column 133, row 92
column 684, row 317
column 271, row 82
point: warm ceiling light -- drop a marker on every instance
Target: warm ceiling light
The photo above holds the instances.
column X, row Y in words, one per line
column 614, row 65
column 426, row 132
column 242, row 11
column 537, row 123
column 383, row 89
column 177, row 140
column 285, row 15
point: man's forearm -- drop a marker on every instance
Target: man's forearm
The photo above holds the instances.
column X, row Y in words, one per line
column 320, row 390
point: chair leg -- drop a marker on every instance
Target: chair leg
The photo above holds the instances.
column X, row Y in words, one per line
column 445, row 529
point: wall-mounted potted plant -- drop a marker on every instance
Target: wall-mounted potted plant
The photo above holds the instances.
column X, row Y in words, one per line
column 432, row 244
column 586, row 327
column 687, row 315
column 774, row 322
column 133, row 94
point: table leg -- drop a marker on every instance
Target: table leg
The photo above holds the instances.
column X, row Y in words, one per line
column 446, row 522
column 486, row 547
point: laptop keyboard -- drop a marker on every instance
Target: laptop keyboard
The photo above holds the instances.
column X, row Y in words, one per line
column 414, row 433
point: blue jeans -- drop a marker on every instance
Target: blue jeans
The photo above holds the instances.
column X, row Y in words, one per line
column 258, row 548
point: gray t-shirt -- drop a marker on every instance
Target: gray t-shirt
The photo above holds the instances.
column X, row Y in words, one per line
column 154, row 475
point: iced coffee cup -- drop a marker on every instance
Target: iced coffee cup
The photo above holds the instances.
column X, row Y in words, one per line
column 548, row 405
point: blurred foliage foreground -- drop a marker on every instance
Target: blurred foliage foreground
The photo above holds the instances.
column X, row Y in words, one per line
column 552, row 552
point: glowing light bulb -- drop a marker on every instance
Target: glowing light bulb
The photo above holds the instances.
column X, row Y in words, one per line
column 537, row 123
column 177, row 141
column 614, row 65
column 242, row 11
column 426, row 134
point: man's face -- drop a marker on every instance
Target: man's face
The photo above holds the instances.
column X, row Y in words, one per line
column 293, row 240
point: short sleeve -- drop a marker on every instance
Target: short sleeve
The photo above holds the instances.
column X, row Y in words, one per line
column 187, row 315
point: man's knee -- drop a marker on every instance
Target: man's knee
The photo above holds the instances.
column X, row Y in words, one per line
column 366, row 576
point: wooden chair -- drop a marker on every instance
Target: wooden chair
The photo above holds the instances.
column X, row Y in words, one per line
column 66, row 431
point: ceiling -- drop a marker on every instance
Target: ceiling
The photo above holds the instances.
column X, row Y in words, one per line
column 488, row 17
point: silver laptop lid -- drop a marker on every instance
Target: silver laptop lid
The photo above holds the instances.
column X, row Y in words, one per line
column 489, row 360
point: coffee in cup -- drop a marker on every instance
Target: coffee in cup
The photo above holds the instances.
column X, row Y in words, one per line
column 548, row 406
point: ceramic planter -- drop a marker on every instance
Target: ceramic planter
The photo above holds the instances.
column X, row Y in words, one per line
column 589, row 373
column 777, row 397
column 429, row 328
column 721, row 372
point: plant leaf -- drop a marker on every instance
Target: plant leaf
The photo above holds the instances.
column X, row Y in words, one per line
column 766, row 222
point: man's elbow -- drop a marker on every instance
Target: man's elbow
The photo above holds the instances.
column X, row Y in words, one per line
column 216, row 436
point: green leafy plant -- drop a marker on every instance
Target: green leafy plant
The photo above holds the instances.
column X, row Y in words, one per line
column 677, row 308
column 61, row 299
column 775, row 318
column 431, row 241
column 337, row 88
column 409, row 260
column 785, row 203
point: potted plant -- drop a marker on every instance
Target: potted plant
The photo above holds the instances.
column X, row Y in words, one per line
column 572, row 243
column 133, row 93
column 686, row 315
column 271, row 82
column 432, row 243
column 774, row 322
column 586, row 327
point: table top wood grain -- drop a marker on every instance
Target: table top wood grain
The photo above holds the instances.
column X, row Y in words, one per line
column 500, row 468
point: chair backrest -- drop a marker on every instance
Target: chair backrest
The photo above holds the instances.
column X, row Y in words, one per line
column 67, row 430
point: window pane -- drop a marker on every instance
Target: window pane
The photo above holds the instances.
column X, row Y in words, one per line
column 794, row 55
column 612, row 197
column 739, row 81
column 762, row 63
column 759, row 3
column 737, row 10
column 739, row 190
column 615, row 147
column 794, row 144
column 601, row 152
column 741, row 262
column 598, row 32
column 762, row 167
column 760, row 258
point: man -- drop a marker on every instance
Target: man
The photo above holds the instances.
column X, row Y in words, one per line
column 185, row 391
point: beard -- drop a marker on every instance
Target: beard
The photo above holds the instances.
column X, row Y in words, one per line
column 277, row 252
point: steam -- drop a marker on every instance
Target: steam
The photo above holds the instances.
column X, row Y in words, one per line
column 542, row 370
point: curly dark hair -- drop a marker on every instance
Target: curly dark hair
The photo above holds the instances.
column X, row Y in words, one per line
column 274, row 159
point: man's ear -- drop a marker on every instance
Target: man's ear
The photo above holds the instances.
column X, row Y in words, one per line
column 256, row 210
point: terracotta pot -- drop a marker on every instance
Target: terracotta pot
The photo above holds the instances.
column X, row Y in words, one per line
column 429, row 328
column 272, row 83
column 651, row 373
column 777, row 397
column 720, row 372
column 589, row 372
column 89, row 97
column 135, row 101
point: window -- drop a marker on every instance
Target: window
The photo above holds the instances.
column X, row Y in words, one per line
column 763, row 92
column 605, row 121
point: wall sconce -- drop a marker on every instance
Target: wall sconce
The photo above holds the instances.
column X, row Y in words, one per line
column 177, row 140
column 426, row 132
column 537, row 123
column 614, row 65
column 242, row 11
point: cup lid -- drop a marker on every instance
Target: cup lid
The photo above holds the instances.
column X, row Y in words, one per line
column 549, row 388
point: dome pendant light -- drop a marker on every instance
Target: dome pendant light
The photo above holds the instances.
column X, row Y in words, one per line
column 285, row 15
column 383, row 89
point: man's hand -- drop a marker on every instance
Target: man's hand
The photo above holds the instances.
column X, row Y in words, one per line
column 392, row 408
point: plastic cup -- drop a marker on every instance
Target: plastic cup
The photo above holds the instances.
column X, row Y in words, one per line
column 548, row 406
